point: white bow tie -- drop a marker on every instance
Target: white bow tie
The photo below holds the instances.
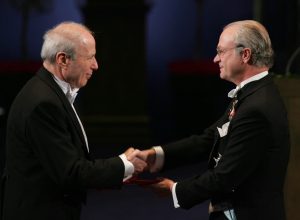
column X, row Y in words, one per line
column 71, row 95
column 234, row 92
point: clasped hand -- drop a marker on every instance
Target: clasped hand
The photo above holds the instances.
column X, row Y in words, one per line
column 144, row 161
column 139, row 164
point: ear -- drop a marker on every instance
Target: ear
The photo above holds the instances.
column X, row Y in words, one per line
column 246, row 55
column 62, row 59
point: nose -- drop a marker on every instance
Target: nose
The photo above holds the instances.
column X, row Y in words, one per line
column 216, row 58
column 95, row 64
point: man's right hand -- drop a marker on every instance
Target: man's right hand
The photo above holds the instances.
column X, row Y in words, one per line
column 149, row 157
column 139, row 164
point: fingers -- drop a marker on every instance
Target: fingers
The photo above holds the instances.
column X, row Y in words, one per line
column 132, row 154
column 143, row 155
column 139, row 165
column 128, row 151
column 142, row 160
column 163, row 188
column 148, row 156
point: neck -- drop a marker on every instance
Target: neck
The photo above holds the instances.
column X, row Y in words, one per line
column 249, row 73
column 55, row 70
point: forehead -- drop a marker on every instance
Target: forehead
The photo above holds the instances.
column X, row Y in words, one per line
column 87, row 37
column 87, row 45
column 227, row 37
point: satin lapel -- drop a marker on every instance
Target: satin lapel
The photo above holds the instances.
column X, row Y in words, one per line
column 46, row 76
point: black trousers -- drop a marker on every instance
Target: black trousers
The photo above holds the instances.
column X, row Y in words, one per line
column 217, row 216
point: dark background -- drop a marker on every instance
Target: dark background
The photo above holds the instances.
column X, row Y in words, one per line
column 156, row 82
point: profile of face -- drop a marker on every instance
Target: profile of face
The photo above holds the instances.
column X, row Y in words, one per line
column 79, row 70
column 228, row 56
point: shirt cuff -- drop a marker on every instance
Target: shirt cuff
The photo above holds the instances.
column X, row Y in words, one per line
column 159, row 159
column 175, row 201
column 129, row 168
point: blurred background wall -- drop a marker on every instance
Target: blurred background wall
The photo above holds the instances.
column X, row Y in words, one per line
column 156, row 82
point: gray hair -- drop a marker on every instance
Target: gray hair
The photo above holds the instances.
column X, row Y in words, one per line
column 252, row 34
column 64, row 37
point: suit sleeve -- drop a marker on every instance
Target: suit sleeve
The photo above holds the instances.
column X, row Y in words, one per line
column 190, row 150
column 56, row 144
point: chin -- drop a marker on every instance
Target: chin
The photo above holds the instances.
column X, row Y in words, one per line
column 222, row 76
column 83, row 85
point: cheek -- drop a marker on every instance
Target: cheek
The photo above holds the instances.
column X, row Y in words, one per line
column 83, row 79
column 229, row 66
column 80, row 72
column 228, row 70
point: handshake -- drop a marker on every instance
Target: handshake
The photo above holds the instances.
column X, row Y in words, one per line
column 145, row 161
column 141, row 160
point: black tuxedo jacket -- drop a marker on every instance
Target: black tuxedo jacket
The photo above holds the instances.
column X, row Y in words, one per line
column 48, row 166
column 247, row 166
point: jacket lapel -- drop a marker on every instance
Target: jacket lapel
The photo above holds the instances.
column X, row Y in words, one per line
column 47, row 77
column 252, row 87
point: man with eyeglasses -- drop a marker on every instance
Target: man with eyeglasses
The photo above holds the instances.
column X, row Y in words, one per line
column 247, row 148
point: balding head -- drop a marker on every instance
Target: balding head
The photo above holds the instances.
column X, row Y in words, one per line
column 252, row 34
column 65, row 37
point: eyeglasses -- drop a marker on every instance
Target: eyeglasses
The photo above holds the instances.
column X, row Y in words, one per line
column 221, row 52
